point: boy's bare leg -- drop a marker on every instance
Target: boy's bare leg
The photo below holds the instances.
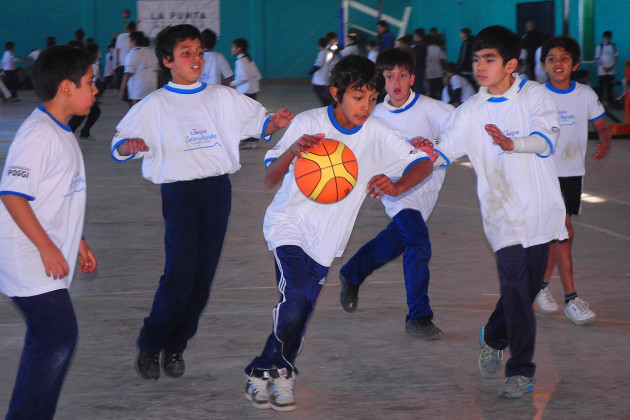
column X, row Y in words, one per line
column 565, row 261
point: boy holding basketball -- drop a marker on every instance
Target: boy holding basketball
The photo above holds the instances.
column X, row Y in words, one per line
column 407, row 234
column 188, row 135
column 305, row 236
column 508, row 130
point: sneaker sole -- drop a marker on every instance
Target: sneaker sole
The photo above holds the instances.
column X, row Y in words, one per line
column 283, row 407
column 262, row 406
column 546, row 311
column 529, row 388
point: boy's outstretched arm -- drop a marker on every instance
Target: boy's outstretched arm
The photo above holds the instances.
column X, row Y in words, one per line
column 278, row 167
column 20, row 210
column 131, row 147
column 534, row 143
column 381, row 185
column 278, row 120
column 605, row 138
column 87, row 260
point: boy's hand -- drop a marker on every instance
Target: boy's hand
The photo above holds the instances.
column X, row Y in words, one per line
column 305, row 142
column 603, row 148
column 282, row 117
column 381, row 185
column 426, row 146
column 132, row 146
column 87, row 261
column 498, row 138
column 54, row 262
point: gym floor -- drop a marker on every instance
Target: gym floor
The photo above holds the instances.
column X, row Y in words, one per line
column 353, row 366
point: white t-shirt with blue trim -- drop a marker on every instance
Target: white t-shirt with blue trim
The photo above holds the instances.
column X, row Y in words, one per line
column 323, row 230
column 519, row 193
column 576, row 107
column 193, row 131
column 215, row 68
column 44, row 165
column 419, row 116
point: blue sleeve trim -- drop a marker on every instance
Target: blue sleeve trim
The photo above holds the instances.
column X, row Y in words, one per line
column 597, row 118
column 115, row 147
column 538, row 133
column 262, row 135
column 28, row 197
column 413, row 163
column 268, row 161
column 448, row 161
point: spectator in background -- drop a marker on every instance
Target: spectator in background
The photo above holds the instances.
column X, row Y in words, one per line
column 385, row 36
column 372, row 49
column 434, row 68
column 419, row 49
column 404, row 43
column 216, row 68
column 77, row 42
column 606, row 55
column 464, row 62
column 122, row 49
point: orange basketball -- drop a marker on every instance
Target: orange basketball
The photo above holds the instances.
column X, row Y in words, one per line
column 327, row 173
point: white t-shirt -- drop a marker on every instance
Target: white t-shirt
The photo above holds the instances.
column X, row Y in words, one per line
column 373, row 54
column 539, row 71
column 193, row 131
column 142, row 63
column 44, row 165
column 109, row 64
column 519, row 193
column 246, row 75
column 322, row 230
column 8, row 61
column 215, row 68
column 320, row 77
column 34, row 54
column 349, row 50
column 460, row 82
column 435, row 56
column 419, row 116
column 123, row 47
column 606, row 55
column 576, row 107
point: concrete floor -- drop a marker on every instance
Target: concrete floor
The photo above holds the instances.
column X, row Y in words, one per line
column 353, row 366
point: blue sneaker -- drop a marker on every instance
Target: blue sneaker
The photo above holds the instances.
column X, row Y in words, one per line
column 489, row 362
column 516, row 386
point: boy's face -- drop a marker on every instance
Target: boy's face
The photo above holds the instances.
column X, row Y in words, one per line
column 606, row 39
column 559, row 65
column 355, row 107
column 83, row 97
column 187, row 62
column 398, row 84
column 491, row 72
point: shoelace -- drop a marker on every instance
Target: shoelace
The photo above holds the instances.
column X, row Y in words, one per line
column 580, row 305
column 259, row 384
column 175, row 357
column 284, row 386
column 489, row 353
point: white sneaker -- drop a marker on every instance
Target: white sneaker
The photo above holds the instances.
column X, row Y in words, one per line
column 545, row 302
column 281, row 390
column 578, row 311
column 256, row 389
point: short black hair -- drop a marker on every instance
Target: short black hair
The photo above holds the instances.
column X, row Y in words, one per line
column 79, row 34
column 209, row 39
column 419, row 32
column 139, row 38
column 9, row 45
column 56, row 64
column 355, row 71
column 131, row 26
column 406, row 39
column 567, row 43
column 466, row 31
column 393, row 57
column 382, row 23
column 607, row 34
column 332, row 35
column 322, row 42
column 168, row 37
column 506, row 42
column 450, row 67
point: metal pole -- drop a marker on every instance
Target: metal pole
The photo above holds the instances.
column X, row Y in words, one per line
column 565, row 21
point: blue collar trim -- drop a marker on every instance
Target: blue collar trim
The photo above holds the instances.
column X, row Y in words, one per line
column 503, row 98
column 561, row 91
column 413, row 101
column 185, row 91
column 335, row 123
column 64, row 126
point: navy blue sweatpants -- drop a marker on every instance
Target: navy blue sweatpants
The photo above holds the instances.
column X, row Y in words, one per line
column 300, row 280
column 513, row 322
column 407, row 234
column 195, row 219
column 51, row 336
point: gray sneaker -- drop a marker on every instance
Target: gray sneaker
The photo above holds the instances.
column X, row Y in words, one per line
column 489, row 362
column 257, row 388
column 516, row 386
column 423, row 328
column 281, row 390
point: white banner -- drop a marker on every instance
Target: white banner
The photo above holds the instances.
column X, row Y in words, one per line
column 153, row 16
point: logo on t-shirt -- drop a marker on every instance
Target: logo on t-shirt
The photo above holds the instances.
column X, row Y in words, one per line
column 76, row 185
column 566, row 118
column 18, row 171
column 200, row 138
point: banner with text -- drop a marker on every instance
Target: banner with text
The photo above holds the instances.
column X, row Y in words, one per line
column 153, row 16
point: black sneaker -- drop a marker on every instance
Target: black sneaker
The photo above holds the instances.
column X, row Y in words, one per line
column 148, row 364
column 423, row 328
column 173, row 364
column 349, row 294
